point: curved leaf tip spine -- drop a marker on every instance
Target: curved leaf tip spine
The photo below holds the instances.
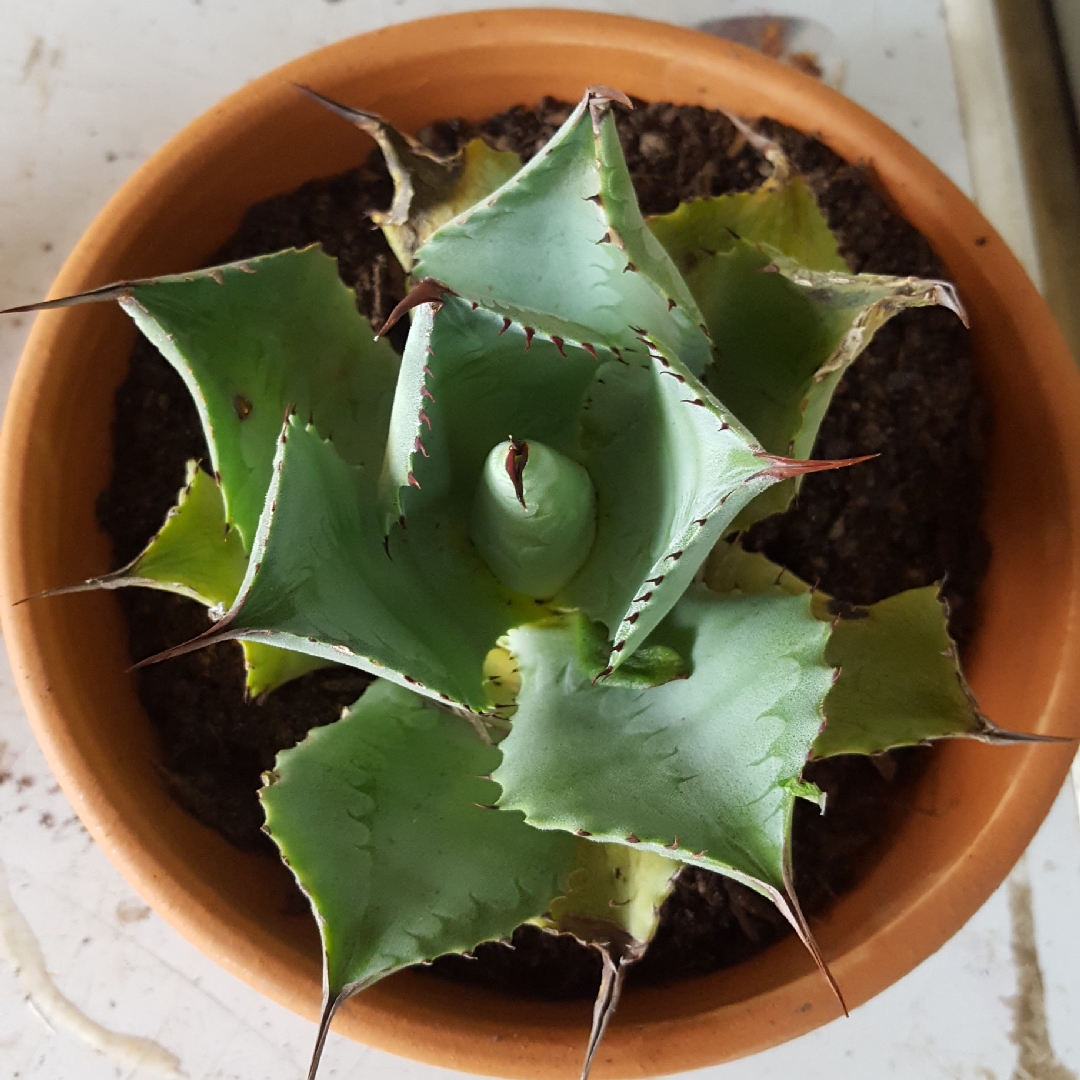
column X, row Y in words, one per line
column 599, row 99
column 946, row 296
column 346, row 112
column 428, row 291
column 603, row 94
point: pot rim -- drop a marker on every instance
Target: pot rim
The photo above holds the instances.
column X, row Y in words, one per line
column 654, row 1032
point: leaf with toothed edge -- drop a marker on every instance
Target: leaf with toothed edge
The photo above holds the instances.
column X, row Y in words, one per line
column 899, row 683
column 699, row 769
column 396, row 791
column 254, row 339
column 672, row 469
column 670, row 466
column 663, row 536
column 850, row 308
column 696, row 769
column 786, row 317
column 467, row 382
column 642, row 248
column 421, row 610
column 781, row 214
column 429, row 189
column 198, row 555
column 480, row 171
column 194, row 554
column 561, row 248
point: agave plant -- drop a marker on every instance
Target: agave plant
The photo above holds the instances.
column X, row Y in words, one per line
column 523, row 527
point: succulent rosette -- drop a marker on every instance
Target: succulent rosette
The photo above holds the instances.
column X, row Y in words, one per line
column 523, row 528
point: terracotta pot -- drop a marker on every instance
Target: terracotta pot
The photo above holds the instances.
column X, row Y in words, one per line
column 69, row 653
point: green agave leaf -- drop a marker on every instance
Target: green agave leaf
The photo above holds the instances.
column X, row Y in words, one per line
column 786, row 317
column 476, row 172
column 698, row 769
column 395, row 792
column 255, row 339
column 418, row 608
column 770, row 338
column 267, row 667
column 252, row 340
column 467, row 381
column 562, row 248
column 670, row 466
column 899, row 680
column 679, row 468
column 782, row 213
column 195, row 553
column 649, row 665
column 852, row 307
column 429, row 189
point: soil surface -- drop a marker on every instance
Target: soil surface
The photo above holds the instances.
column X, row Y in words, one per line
column 907, row 518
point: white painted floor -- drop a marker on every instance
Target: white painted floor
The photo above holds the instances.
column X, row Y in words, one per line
column 88, row 91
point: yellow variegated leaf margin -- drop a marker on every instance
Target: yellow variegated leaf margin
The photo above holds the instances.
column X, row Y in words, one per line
column 615, row 896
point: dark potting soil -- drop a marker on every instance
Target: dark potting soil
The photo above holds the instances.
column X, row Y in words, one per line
column 907, row 518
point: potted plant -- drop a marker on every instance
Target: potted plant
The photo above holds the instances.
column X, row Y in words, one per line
column 51, row 561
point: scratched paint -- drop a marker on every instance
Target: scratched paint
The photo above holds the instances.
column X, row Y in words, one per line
column 1035, row 1059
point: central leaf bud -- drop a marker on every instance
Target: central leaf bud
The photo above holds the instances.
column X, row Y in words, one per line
column 533, row 517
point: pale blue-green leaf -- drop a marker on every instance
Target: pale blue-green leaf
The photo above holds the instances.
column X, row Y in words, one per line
column 561, row 248
column 256, row 338
column 383, row 817
column 697, row 769
column 467, row 383
column 670, row 466
column 420, row 609
column 679, row 469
